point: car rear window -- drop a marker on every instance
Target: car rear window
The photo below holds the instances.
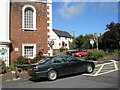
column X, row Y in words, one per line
column 44, row 60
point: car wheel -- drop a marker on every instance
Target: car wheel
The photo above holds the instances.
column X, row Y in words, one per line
column 89, row 68
column 52, row 75
column 80, row 55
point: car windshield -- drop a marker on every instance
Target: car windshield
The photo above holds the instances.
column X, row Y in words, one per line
column 80, row 51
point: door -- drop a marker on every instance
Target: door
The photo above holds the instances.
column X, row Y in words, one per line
column 75, row 65
column 60, row 65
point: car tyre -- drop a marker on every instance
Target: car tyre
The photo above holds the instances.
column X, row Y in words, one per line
column 52, row 75
column 89, row 68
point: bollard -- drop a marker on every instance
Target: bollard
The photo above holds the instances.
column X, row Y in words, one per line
column 16, row 72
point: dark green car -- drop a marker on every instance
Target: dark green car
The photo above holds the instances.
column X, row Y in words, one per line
column 54, row 67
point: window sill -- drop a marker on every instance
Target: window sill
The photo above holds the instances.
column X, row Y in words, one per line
column 28, row 29
column 30, row 57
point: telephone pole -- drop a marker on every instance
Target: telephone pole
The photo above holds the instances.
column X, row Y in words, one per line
column 73, row 33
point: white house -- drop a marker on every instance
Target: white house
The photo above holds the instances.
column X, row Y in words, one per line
column 61, row 39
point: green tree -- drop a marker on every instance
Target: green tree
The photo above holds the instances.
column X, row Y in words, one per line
column 72, row 44
column 86, row 41
column 81, row 42
column 111, row 37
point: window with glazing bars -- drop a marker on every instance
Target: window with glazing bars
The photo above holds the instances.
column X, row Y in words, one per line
column 28, row 18
column 28, row 51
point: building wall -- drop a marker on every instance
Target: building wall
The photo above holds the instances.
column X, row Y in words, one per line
column 4, row 31
column 19, row 37
column 4, row 24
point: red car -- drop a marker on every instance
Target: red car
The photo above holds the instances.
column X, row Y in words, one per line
column 82, row 53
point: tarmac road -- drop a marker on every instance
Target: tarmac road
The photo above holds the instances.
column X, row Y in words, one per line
column 109, row 80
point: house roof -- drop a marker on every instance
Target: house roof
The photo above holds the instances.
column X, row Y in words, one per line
column 62, row 33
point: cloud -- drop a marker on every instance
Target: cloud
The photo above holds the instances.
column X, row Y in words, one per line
column 107, row 6
column 70, row 9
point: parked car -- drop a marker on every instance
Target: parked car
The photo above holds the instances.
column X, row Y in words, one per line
column 70, row 52
column 81, row 53
column 86, row 49
column 108, row 50
column 56, row 66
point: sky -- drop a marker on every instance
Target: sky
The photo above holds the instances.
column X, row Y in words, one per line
column 84, row 17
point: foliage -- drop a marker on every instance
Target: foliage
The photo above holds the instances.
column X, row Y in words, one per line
column 22, row 60
column 11, row 67
column 94, row 54
column 72, row 44
column 4, row 68
column 81, row 42
column 116, row 52
column 19, row 69
column 111, row 38
column 36, row 59
column 63, row 49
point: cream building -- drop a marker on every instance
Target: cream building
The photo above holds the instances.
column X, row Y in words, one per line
column 61, row 39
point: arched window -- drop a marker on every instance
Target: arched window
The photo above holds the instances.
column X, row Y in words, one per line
column 28, row 18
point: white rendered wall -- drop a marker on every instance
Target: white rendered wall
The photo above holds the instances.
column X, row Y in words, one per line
column 4, row 30
column 58, row 40
column 4, row 20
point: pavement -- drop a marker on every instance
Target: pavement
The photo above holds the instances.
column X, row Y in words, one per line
column 10, row 77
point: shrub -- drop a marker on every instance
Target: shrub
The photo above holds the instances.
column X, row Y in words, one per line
column 63, row 49
column 4, row 68
column 94, row 55
column 22, row 60
column 116, row 52
column 19, row 69
column 11, row 67
column 36, row 59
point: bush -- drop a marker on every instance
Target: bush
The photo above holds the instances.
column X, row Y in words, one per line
column 11, row 67
column 19, row 69
column 63, row 49
column 116, row 52
column 4, row 68
column 22, row 60
column 36, row 59
column 94, row 55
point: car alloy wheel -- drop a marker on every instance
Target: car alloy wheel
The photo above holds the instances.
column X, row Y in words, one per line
column 89, row 68
column 52, row 75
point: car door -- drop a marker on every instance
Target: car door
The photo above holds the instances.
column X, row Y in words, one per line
column 74, row 65
column 60, row 65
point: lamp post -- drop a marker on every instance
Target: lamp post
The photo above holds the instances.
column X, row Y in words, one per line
column 51, row 43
